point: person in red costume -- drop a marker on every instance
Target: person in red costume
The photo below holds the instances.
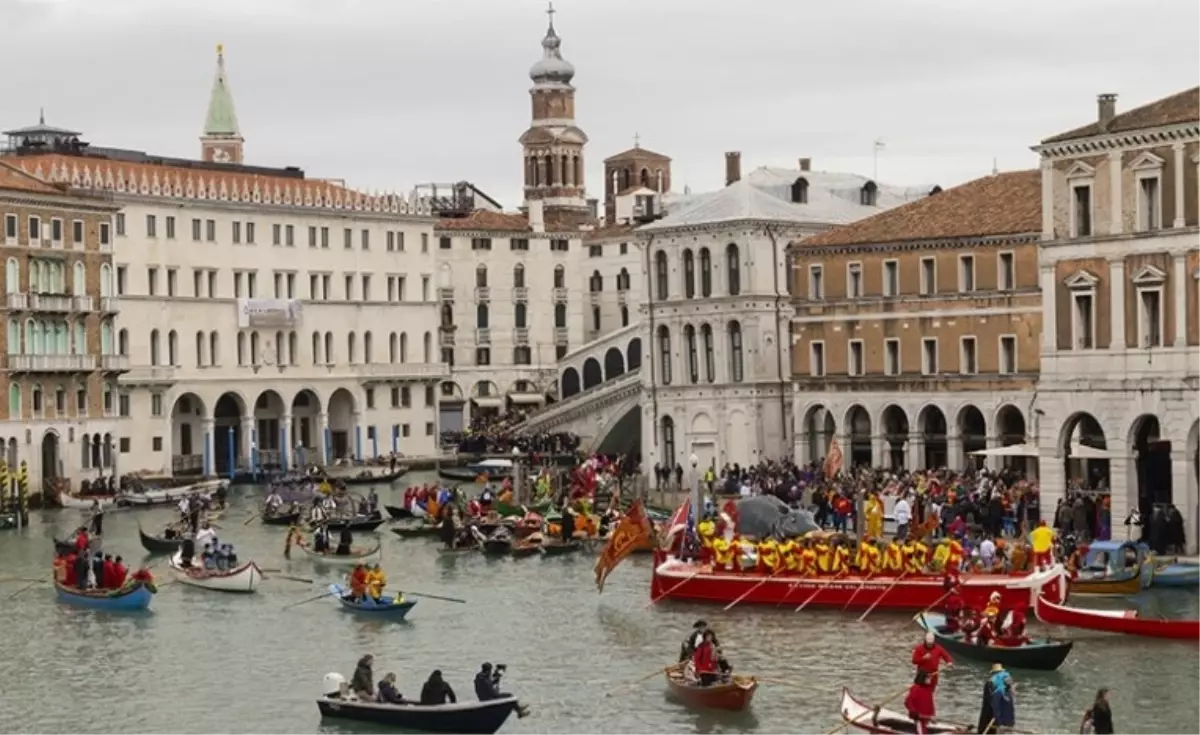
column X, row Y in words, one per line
column 919, row 703
column 704, row 660
column 71, row 580
column 142, row 575
column 730, row 509
column 954, row 606
column 1013, row 633
column 119, row 572
column 81, row 541
column 110, row 574
column 928, row 657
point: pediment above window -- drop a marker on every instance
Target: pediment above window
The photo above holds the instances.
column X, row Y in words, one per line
column 1081, row 280
column 1148, row 275
column 1080, row 170
column 1147, row 161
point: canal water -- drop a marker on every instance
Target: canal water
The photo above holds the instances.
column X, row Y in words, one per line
column 205, row 662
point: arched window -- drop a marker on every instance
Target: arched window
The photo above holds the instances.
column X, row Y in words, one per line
column 427, row 344
column 447, row 315
column 736, row 367
column 710, row 363
column 316, row 348
column 624, row 316
column 14, row 401
column 560, row 315
column 241, row 348
column 330, row 355
column 201, row 340
column 519, row 315
column 689, row 274
column 518, row 276
column 106, row 337
column 560, row 277
column 214, row 348
column 279, row 346
column 80, row 345
column 14, row 337
column 596, row 282
column 660, row 276
column 86, row 444
column 154, row 346
column 644, row 177
column 705, row 273
column 668, row 441
column 689, row 336
column 481, row 280
column 352, row 348
column 106, row 281
column 623, row 280
column 393, row 347
column 172, row 348
column 404, row 346
column 481, row 316
column 733, row 270
column 12, row 274
column 868, row 196
column 368, row 348
column 254, row 355
column 664, row 353
column 79, row 279
column 800, row 191
column 37, row 404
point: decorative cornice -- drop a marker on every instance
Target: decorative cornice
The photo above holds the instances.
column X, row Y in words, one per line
column 1116, row 141
column 798, row 249
column 65, row 201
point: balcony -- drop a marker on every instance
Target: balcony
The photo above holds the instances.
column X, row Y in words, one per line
column 150, row 375
column 50, row 302
column 521, row 336
column 17, row 302
column 400, row 371
column 51, row 363
column 622, row 297
column 81, row 303
column 560, row 295
column 561, row 336
column 483, row 336
column 520, row 294
column 110, row 304
column 114, row 363
column 106, row 247
column 445, row 294
column 447, row 339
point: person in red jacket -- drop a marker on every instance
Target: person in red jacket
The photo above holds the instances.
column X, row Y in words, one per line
column 928, row 657
column 69, row 578
column 954, row 606
column 81, row 541
column 109, row 575
column 117, row 580
column 919, row 702
column 704, row 660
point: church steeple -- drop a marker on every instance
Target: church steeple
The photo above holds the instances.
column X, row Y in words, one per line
column 222, row 139
column 553, row 145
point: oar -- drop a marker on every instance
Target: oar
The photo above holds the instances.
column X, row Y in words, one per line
column 885, row 594
column 28, row 586
column 816, row 592
column 859, row 589
column 20, row 579
column 873, row 710
column 252, row 517
column 651, row 675
column 751, row 590
column 681, row 583
column 303, row 602
column 290, row 578
column 934, row 604
column 436, row 597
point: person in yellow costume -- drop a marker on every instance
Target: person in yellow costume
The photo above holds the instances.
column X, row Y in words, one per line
column 376, row 581
column 874, row 515
column 809, row 564
column 768, row 556
column 506, row 496
column 867, row 559
column 941, row 554
column 839, row 561
column 723, row 553
column 745, row 543
column 893, row 558
column 325, row 487
column 907, row 551
column 824, row 556
column 789, row 555
column 918, row 558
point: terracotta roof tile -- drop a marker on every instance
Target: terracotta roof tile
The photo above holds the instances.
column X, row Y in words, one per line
column 14, row 179
column 482, row 219
column 1001, row 204
column 637, row 152
column 1182, row 107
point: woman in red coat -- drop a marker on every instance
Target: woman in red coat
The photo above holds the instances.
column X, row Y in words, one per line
column 919, row 702
column 704, row 660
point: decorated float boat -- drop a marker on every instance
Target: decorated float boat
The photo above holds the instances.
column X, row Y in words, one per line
column 674, row 579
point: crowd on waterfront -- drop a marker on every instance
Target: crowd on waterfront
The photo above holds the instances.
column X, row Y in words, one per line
column 502, row 434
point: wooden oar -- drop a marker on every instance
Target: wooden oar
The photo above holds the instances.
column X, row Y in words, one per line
column 436, row 597
column 20, row 579
column 818, row 591
column 28, row 586
column 303, row 602
column 290, row 578
column 874, row 709
column 651, row 675
column 252, row 517
column 681, row 583
column 859, row 589
column 748, row 592
column 885, row 594
column 935, row 603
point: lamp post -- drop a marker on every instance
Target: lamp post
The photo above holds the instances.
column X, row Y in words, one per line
column 518, row 477
column 695, row 489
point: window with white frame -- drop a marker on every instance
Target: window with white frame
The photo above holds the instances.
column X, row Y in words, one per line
column 1006, row 272
column 968, row 356
column 891, row 278
column 1149, row 283
column 855, row 359
column 966, row 273
column 891, row 356
column 816, row 359
column 854, row 280
column 928, row 276
column 1082, row 289
column 1079, row 180
column 1008, row 355
column 929, row 356
column 1147, row 171
column 816, row 283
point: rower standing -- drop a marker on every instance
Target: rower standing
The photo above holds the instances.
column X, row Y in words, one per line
column 919, row 702
column 567, row 523
column 998, row 712
column 345, row 540
column 97, row 518
column 928, row 657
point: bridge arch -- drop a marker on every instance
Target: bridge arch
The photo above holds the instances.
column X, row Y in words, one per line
column 569, row 383
column 592, row 374
column 614, row 363
column 633, row 354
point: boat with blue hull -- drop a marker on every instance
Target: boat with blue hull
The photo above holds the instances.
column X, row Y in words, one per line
column 385, row 607
column 1176, row 575
column 136, row 596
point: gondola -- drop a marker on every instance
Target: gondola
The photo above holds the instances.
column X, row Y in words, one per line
column 864, row 717
column 357, row 523
column 286, row 519
column 157, row 544
column 526, row 547
column 465, row 717
column 367, row 478
column 398, row 513
column 1116, row 621
column 734, row 695
column 497, row 546
column 135, row 596
column 357, row 555
column 558, row 548
column 62, row 548
column 1040, row 655
column 385, row 607
column 463, row 474
column 416, row 531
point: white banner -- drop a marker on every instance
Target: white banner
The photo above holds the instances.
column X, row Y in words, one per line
column 268, row 313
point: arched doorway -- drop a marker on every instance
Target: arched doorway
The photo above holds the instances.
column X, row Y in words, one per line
column 895, row 436
column 569, row 383
column 858, row 425
column 972, row 434
column 51, row 459
column 304, row 436
column 933, row 436
column 227, row 433
column 265, row 446
column 1085, row 470
column 592, row 375
column 614, row 363
column 486, row 400
column 1010, row 426
column 188, row 455
column 633, row 354
column 341, row 427
column 818, row 429
column 1151, row 469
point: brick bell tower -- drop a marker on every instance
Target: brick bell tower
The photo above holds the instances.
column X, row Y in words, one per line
column 553, row 145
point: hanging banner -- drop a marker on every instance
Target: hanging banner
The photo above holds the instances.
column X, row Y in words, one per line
column 268, row 313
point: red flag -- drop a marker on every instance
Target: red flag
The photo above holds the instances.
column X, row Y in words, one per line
column 833, row 461
column 633, row 531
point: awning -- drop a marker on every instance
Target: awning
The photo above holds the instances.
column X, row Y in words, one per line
column 1082, row 451
column 488, row 401
column 526, row 398
column 1013, row 450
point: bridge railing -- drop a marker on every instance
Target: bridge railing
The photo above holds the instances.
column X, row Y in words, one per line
column 548, row 413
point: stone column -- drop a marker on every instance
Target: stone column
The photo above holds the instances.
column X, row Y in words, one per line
column 1116, row 290
column 993, row 463
column 1178, row 222
column 1047, row 199
column 1184, row 497
column 915, row 449
column 878, row 450
column 1115, row 224
column 1052, row 482
column 1179, row 298
column 285, row 434
column 324, row 440
column 207, row 437
column 1049, row 308
column 955, row 459
column 1124, row 497
column 357, row 448
column 249, row 444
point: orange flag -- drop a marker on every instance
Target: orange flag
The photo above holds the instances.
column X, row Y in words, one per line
column 633, row 531
column 833, row 461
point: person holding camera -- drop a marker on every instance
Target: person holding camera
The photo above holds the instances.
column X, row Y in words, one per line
column 487, row 686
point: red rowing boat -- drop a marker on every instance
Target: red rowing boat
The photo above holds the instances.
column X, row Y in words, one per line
column 862, row 716
column 733, row 695
column 674, row 579
column 1116, row 621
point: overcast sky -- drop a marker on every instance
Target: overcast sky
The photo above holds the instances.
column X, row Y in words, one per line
column 390, row 93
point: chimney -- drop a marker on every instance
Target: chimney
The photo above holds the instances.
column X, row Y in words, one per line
column 537, row 219
column 1106, row 105
column 733, row 167
column 806, row 164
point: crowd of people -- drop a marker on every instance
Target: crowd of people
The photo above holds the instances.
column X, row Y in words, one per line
column 495, row 434
column 84, row 567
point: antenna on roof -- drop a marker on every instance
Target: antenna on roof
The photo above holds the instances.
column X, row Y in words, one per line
column 875, row 160
column 995, row 167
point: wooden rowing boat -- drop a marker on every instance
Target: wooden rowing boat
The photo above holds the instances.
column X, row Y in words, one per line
column 416, row 531
column 465, row 717
column 397, row 512
column 385, row 607
column 1044, row 654
column 862, row 716
column 558, row 548
column 734, row 695
column 356, row 556
column 243, row 579
column 1116, row 621
column 1128, row 586
column 134, row 596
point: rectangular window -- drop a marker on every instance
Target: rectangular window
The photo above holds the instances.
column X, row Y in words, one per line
column 518, row 243
column 212, row 284
column 312, row 237
column 291, row 285
column 210, row 230
column 276, row 234
column 349, row 283
column 251, row 285
column 968, row 358
column 105, row 234
column 156, row 404
column 891, row 278
column 854, row 361
column 35, row 230
column 170, row 228
column 1006, row 273
column 313, row 286
column 1081, row 210
column 156, row 444
column 325, row 238
column 290, row 235
column 891, row 357
column 370, row 396
column 10, row 227
column 428, row 428
column 1150, row 315
column 365, row 239
column 424, row 288
column 123, row 405
column 816, row 283
column 966, row 273
column 121, row 280
column 1149, row 203
column 405, row 397
column 595, row 251
column 929, row 356
column 325, row 289
column 483, row 356
column 120, row 220
column 196, row 230
column 424, row 242
column 237, row 284
column 172, row 281
column 481, row 243
column 151, row 226
column 854, row 281
column 928, row 276
column 277, row 282
column 816, row 359
column 77, row 232
column 197, row 283
column 249, row 233
column 236, row 232
column 56, row 230
column 391, row 241
column 443, row 243
column 152, row 281
column 1083, row 322
column 366, row 287
column 559, row 245
column 429, row 395
column 1008, row 355
column 395, row 397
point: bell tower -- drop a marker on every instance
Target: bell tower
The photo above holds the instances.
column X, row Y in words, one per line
column 553, row 145
column 222, row 140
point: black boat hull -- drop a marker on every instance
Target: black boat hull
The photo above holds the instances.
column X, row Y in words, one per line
column 156, row 545
column 468, row 718
column 1040, row 655
column 361, row 523
column 397, row 513
column 466, row 474
column 386, row 478
column 287, row 519
column 493, row 547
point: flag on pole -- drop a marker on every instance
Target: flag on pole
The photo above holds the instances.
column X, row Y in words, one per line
column 634, row 530
column 833, row 460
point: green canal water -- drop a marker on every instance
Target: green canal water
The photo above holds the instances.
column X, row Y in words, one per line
column 202, row 662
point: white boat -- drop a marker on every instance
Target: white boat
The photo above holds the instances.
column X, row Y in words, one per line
column 85, row 503
column 358, row 555
column 167, row 496
column 243, row 579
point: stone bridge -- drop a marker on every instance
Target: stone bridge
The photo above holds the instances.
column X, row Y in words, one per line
column 600, row 361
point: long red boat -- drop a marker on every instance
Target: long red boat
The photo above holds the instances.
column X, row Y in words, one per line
column 674, row 579
column 1116, row 621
